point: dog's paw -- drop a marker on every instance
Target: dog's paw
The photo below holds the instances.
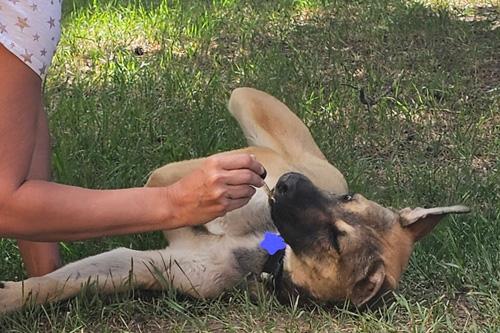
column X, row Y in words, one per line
column 11, row 296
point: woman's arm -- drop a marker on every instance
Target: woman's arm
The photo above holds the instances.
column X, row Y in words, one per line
column 44, row 211
column 40, row 258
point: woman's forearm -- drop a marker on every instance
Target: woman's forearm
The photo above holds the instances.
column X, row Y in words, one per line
column 45, row 211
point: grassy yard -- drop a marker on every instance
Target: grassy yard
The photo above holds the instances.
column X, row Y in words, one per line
column 137, row 84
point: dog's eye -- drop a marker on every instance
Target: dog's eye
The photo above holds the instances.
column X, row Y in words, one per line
column 348, row 197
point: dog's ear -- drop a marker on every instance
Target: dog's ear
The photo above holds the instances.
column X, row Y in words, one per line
column 364, row 290
column 420, row 221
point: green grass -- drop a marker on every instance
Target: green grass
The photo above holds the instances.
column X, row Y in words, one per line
column 435, row 140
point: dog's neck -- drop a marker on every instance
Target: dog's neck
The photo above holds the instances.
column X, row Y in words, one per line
column 275, row 247
column 274, row 263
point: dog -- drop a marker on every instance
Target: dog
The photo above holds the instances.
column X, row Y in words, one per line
column 336, row 245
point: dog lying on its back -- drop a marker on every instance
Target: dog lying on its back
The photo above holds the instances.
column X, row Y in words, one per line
column 339, row 245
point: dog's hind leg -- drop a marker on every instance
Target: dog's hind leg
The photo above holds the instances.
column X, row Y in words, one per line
column 194, row 272
column 267, row 122
column 116, row 270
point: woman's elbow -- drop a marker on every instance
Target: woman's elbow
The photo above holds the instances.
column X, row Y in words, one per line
column 6, row 220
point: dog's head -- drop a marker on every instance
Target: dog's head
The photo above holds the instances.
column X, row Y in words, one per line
column 343, row 246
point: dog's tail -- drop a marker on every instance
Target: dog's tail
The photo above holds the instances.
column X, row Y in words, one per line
column 267, row 122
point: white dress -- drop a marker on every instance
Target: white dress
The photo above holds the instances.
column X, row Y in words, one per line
column 31, row 30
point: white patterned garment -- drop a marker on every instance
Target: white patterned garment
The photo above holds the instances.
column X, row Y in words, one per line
column 31, row 30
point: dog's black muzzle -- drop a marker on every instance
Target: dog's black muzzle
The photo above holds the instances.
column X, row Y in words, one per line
column 297, row 210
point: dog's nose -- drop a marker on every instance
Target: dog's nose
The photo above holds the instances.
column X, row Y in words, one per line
column 287, row 184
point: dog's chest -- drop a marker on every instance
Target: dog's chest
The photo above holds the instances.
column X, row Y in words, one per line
column 253, row 218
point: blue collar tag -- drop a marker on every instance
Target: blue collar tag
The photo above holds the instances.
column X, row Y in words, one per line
column 272, row 242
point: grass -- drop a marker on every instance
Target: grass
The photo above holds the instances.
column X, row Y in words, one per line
column 435, row 140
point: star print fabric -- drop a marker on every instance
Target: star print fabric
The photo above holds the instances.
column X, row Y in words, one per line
column 31, row 31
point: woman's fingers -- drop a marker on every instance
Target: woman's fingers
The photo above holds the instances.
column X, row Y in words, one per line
column 237, row 161
column 223, row 183
column 240, row 192
column 243, row 177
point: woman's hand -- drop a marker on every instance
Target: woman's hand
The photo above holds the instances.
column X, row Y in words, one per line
column 224, row 182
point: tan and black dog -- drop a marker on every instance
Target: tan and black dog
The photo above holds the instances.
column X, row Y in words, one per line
column 339, row 245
